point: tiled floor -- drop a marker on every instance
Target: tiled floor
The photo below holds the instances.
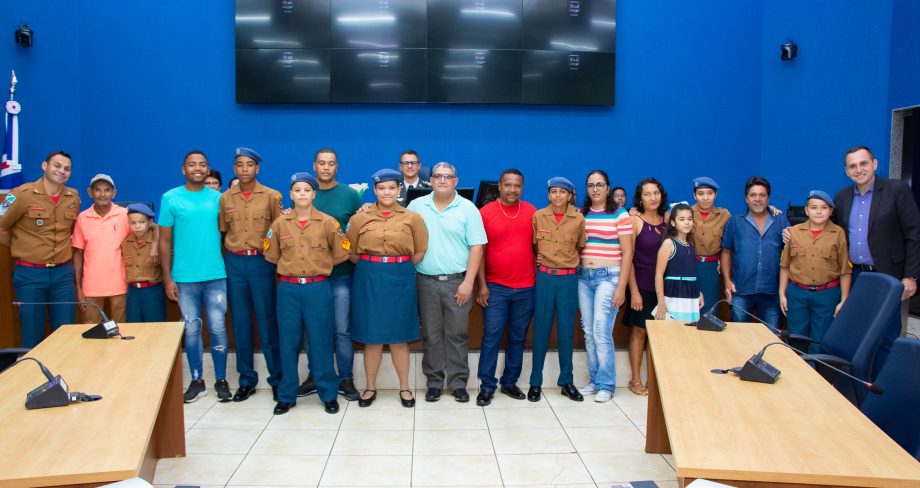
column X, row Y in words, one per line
column 554, row 442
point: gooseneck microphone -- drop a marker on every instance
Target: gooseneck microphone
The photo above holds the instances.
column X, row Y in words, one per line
column 708, row 321
column 103, row 330
column 782, row 334
column 52, row 393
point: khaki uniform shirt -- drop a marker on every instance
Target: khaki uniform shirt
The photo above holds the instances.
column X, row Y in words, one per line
column 559, row 244
column 138, row 264
column 40, row 231
column 706, row 235
column 402, row 233
column 818, row 261
column 307, row 251
column 247, row 221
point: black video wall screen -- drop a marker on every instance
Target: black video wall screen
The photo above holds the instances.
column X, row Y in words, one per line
column 559, row 52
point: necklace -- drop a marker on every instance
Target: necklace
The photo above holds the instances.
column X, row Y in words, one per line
column 501, row 207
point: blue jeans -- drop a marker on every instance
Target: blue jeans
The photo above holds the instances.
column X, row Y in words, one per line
column 344, row 347
column 55, row 284
column 214, row 295
column 763, row 305
column 251, row 287
column 509, row 309
column 595, row 301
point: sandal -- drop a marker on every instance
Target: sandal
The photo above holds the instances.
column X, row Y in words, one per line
column 407, row 403
column 637, row 389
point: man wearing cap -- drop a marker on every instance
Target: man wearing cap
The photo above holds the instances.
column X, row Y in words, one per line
column 246, row 213
column 195, row 274
column 445, row 282
column 814, row 276
column 97, row 239
column 340, row 202
column 882, row 224
column 409, row 165
column 706, row 237
column 36, row 222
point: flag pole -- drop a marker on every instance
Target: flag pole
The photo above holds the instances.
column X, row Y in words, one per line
column 13, row 82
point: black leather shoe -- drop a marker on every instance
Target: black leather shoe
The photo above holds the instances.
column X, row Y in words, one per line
column 484, row 398
column 244, row 393
column 308, row 387
column 572, row 393
column 282, row 408
column 275, row 393
column 433, row 394
column 514, row 392
column 461, row 395
column 366, row 402
column 533, row 394
column 407, row 403
column 332, row 406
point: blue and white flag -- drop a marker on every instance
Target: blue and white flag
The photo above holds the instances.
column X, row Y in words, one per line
column 11, row 169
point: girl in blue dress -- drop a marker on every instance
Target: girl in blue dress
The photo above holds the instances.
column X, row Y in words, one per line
column 678, row 292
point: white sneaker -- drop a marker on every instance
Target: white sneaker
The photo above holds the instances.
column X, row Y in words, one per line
column 603, row 396
column 588, row 389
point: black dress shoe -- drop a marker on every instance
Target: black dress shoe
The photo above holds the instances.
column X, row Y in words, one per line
column 572, row 393
column 282, row 408
column 533, row 394
column 275, row 393
column 332, row 406
column 433, row 394
column 366, row 402
column 514, row 392
column 244, row 393
column 461, row 395
column 407, row 403
column 484, row 398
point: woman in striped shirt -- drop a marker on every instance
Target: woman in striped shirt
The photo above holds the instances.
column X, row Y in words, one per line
column 603, row 277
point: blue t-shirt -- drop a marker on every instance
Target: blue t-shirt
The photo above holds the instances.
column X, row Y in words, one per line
column 451, row 232
column 196, row 238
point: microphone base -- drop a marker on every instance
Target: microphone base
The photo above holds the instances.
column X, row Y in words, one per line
column 758, row 370
column 710, row 322
column 102, row 330
column 53, row 393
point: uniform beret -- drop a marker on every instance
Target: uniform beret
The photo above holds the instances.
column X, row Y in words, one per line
column 304, row 177
column 705, row 182
column 387, row 174
column 249, row 153
column 820, row 195
column 141, row 209
column 560, row 182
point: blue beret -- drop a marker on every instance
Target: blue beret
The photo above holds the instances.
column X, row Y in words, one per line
column 249, row 153
column 304, row 177
column 387, row 174
column 560, row 182
column 705, row 182
column 141, row 209
column 820, row 195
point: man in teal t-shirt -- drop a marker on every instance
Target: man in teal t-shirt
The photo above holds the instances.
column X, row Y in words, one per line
column 340, row 202
column 195, row 272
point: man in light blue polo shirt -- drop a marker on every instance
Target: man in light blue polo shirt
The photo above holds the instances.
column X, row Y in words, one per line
column 195, row 272
column 445, row 282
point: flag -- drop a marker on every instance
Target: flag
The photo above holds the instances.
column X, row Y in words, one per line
column 11, row 169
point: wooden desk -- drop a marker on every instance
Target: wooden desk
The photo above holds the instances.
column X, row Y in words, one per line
column 797, row 432
column 139, row 419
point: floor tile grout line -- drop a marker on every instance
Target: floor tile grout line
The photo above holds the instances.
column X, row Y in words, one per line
column 577, row 453
column 338, row 430
column 501, row 476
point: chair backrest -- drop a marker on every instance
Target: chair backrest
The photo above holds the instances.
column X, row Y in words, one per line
column 895, row 411
column 872, row 307
column 10, row 355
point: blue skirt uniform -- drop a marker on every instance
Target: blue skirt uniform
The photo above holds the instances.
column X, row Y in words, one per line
column 384, row 303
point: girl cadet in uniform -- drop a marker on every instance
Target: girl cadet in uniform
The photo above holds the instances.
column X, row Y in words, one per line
column 814, row 273
column 305, row 244
column 706, row 237
column 650, row 201
column 387, row 241
column 559, row 234
column 676, row 286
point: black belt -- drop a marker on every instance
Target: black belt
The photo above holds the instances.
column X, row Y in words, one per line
column 864, row 267
column 443, row 277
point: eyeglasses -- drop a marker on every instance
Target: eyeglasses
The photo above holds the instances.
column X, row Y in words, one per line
column 599, row 186
column 442, row 177
column 409, row 163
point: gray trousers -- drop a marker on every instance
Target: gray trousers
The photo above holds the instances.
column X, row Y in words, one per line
column 444, row 333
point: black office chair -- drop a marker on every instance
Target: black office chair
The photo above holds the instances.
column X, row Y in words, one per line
column 10, row 355
column 853, row 338
column 895, row 411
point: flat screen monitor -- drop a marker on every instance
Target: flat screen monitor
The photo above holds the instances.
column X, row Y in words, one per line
column 474, row 76
column 379, row 24
column 568, row 78
column 282, row 76
column 413, row 193
column 570, row 25
column 488, row 193
column 282, row 24
column 364, row 75
column 474, row 24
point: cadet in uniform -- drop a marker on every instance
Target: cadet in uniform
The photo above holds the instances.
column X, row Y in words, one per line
column 387, row 241
column 306, row 244
column 706, row 237
column 146, row 300
column 246, row 212
column 559, row 234
column 36, row 222
column 814, row 274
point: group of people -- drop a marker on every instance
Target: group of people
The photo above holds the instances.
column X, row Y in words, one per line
column 390, row 273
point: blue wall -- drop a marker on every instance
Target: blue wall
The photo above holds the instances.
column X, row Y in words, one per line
column 129, row 87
